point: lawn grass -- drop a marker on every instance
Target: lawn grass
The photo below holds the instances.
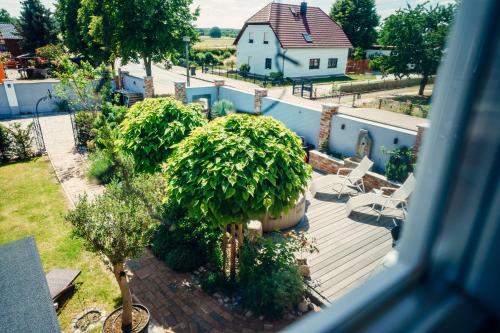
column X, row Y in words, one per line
column 33, row 204
column 207, row 42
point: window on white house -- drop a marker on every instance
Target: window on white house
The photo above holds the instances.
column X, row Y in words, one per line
column 268, row 63
column 332, row 62
column 266, row 41
column 250, row 37
column 314, row 63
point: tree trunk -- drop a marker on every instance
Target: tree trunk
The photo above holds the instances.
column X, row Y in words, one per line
column 147, row 65
column 121, row 278
column 240, row 236
column 423, row 83
column 224, row 250
column 232, row 268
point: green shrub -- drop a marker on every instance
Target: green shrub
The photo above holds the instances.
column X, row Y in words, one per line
column 187, row 244
column 22, row 141
column 236, row 168
column 5, row 144
column 102, row 167
column 245, row 69
column 222, row 108
column 269, row 277
column 184, row 258
column 212, row 282
column 276, row 76
column 153, row 126
column 401, row 163
column 84, row 123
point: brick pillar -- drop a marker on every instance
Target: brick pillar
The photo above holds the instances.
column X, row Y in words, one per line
column 180, row 91
column 149, row 88
column 418, row 140
column 259, row 94
column 327, row 113
column 218, row 84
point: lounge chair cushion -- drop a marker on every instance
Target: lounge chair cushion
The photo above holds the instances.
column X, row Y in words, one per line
column 59, row 280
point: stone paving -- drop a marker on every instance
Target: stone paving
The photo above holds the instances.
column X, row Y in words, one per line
column 176, row 304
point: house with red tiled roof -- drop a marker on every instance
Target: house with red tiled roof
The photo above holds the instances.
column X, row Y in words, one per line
column 296, row 40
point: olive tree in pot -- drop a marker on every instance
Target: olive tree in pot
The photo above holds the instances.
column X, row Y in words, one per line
column 235, row 169
column 118, row 224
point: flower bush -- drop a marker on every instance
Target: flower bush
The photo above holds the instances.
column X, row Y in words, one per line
column 269, row 277
column 237, row 168
column 401, row 163
column 153, row 126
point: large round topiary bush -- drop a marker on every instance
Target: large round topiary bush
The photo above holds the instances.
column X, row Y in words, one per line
column 237, row 168
column 152, row 126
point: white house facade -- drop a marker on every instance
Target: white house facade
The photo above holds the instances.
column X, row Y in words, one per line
column 295, row 40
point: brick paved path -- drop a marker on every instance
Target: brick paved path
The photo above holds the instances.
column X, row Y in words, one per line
column 179, row 306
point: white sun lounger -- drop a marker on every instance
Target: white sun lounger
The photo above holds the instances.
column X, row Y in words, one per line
column 352, row 180
column 384, row 205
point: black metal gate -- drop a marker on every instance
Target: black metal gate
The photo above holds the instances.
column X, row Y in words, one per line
column 303, row 89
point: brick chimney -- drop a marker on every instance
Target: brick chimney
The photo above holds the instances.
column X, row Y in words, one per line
column 303, row 8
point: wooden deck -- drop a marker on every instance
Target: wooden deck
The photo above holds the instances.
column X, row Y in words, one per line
column 350, row 248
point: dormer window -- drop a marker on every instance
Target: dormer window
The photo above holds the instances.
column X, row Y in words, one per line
column 308, row 38
column 250, row 37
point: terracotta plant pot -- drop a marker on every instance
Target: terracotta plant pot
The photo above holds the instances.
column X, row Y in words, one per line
column 137, row 327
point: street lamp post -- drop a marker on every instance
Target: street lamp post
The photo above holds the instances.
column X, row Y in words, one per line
column 186, row 40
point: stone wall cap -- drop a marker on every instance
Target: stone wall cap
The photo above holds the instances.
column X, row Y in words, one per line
column 424, row 125
column 148, row 77
column 330, row 106
column 179, row 82
column 261, row 89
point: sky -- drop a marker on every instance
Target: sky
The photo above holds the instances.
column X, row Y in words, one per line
column 233, row 13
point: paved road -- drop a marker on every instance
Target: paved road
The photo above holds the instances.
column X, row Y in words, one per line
column 164, row 84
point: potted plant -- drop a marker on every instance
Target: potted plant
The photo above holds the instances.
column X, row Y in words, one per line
column 118, row 224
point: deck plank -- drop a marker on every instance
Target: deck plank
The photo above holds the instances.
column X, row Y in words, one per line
column 350, row 248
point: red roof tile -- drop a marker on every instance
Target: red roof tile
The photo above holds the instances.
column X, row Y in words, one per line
column 289, row 26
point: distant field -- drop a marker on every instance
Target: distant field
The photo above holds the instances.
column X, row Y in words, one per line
column 214, row 43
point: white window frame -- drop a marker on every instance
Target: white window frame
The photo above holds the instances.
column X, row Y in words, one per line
column 270, row 63
column 266, row 39
column 446, row 277
column 251, row 36
column 314, row 68
column 336, row 62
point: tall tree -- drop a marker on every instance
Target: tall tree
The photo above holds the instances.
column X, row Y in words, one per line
column 5, row 17
column 36, row 25
column 215, row 32
column 150, row 30
column 358, row 19
column 67, row 17
column 417, row 37
column 88, row 29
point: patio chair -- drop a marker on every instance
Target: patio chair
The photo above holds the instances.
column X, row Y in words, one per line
column 352, row 180
column 60, row 281
column 385, row 205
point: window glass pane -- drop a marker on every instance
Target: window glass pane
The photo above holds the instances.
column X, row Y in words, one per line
column 314, row 63
column 268, row 63
column 332, row 63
